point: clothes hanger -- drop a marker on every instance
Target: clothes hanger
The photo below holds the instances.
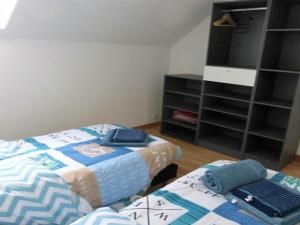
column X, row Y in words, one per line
column 243, row 22
column 243, row 15
column 225, row 18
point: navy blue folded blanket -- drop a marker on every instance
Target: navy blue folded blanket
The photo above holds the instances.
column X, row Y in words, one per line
column 126, row 138
column 269, row 198
column 128, row 135
column 226, row 178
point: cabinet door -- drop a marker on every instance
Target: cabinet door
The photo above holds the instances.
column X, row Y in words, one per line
column 229, row 75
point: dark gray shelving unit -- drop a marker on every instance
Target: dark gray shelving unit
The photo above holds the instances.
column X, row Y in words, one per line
column 259, row 121
column 248, row 104
column 274, row 127
column 181, row 92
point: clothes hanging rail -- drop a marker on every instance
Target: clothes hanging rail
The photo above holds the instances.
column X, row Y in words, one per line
column 245, row 9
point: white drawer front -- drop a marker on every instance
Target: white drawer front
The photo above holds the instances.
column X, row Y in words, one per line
column 230, row 75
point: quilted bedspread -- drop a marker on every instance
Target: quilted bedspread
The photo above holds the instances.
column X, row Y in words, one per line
column 184, row 201
column 31, row 194
column 102, row 175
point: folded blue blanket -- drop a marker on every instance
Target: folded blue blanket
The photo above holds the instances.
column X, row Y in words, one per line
column 269, row 197
column 128, row 135
column 226, row 178
column 291, row 219
column 126, row 138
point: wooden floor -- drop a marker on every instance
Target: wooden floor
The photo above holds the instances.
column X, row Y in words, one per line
column 195, row 156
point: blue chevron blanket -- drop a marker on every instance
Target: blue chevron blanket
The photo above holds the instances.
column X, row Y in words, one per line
column 33, row 194
column 186, row 201
column 100, row 174
column 10, row 148
column 104, row 216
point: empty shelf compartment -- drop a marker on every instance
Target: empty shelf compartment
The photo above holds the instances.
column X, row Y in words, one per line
column 182, row 102
column 269, row 122
column 282, row 51
column 228, row 91
column 228, row 47
column 264, row 148
column 285, row 14
column 183, row 86
column 223, row 120
column 226, row 106
column 220, row 139
column 276, row 89
column 175, row 131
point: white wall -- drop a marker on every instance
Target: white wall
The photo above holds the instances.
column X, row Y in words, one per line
column 189, row 54
column 48, row 86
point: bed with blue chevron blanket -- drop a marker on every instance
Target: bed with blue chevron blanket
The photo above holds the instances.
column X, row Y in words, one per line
column 31, row 194
column 185, row 201
column 100, row 174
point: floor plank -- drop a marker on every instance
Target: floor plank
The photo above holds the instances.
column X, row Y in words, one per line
column 195, row 156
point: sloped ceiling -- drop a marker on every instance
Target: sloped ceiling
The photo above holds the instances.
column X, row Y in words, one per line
column 137, row 22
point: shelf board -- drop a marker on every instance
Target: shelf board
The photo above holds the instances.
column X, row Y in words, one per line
column 222, row 143
column 274, row 133
column 230, row 110
column 186, row 107
column 284, row 30
column 275, row 103
column 230, row 96
column 280, row 70
column 182, row 135
column 186, row 92
column 180, row 124
column 193, row 77
column 233, row 66
column 228, row 123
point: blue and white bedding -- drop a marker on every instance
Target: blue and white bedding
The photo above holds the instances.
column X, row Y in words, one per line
column 102, row 175
column 183, row 202
column 32, row 194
